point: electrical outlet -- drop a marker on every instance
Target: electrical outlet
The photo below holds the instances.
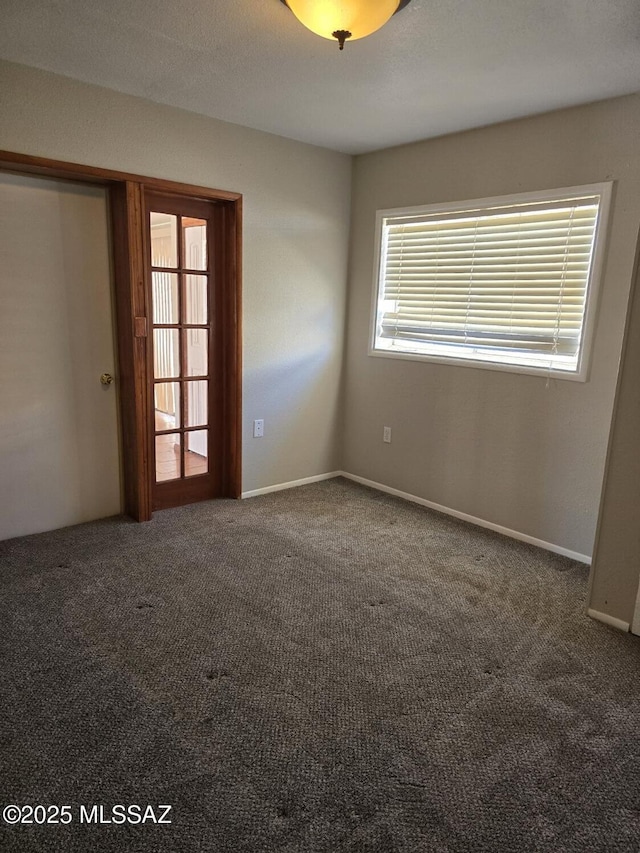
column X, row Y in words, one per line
column 386, row 434
column 258, row 428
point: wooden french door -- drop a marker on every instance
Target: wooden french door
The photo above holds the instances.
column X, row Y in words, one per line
column 185, row 248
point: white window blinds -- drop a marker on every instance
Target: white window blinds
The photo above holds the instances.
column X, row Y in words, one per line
column 507, row 283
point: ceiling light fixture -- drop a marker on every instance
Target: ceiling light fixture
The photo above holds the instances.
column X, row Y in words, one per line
column 344, row 19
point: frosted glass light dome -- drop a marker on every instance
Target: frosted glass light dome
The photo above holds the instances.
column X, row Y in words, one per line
column 351, row 19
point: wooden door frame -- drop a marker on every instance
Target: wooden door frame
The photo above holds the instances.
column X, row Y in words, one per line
column 132, row 317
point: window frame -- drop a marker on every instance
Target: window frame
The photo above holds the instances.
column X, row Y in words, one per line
column 603, row 189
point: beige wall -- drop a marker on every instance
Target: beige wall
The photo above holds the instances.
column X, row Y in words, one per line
column 296, row 209
column 616, row 559
column 514, row 450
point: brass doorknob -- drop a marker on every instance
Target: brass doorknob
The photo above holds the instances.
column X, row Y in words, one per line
column 106, row 379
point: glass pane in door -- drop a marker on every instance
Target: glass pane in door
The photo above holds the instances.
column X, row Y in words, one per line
column 196, row 300
column 194, row 246
column 164, row 239
column 196, row 352
column 196, row 403
column 168, row 449
column 165, row 298
column 167, row 405
column 196, row 455
column 166, row 353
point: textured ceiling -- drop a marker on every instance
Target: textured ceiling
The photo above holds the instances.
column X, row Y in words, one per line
column 438, row 66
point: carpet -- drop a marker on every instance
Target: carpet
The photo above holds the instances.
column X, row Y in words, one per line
column 324, row 669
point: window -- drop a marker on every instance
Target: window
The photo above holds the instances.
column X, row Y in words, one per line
column 508, row 283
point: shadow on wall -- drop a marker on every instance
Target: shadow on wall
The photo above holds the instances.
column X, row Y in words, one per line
column 298, row 398
column 294, row 311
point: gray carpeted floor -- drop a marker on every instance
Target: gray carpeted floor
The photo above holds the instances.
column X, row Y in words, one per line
column 325, row 669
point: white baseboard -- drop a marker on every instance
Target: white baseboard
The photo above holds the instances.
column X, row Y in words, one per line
column 609, row 620
column 480, row 522
column 278, row 487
